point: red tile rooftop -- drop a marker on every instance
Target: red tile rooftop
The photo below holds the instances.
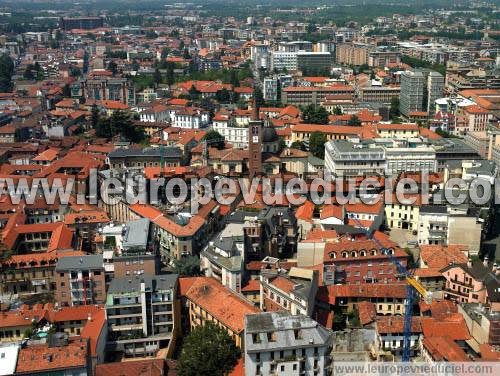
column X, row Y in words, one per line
column 40, row 358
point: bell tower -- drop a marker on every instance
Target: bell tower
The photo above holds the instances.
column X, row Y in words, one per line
column 255, row 143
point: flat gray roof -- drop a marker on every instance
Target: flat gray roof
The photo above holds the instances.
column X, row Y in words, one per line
column 80, row 262
column 133, row 284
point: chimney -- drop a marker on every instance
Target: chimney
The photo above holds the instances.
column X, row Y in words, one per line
column 485, row 261
column 89, row 317
column 469, row 262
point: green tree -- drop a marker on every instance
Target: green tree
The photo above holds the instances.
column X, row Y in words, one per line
column 354, row 121
column 214, row 139
column 317, row 144
column 315, row 115
column 186, row 54
column 258, row 96
column 337, row 110
column 187, row 266
column 94, row 117
column 112, row 67
column 193, row 93
column 233, row 78
column 298, row 145
column 394, row 109
column 121, row 123
column 170, row 73
column 6, row 72
column 157, row 78
column 208, row 350
column 103, row 128
column 223, row 96
column 164, row 53
column 28, row 72
column 75, row 72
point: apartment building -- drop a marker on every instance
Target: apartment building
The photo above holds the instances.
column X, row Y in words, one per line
column 419, row 91
column 363, row 262
column 28, row 274
column 141, row 315
column 379, row 94
column 207, row 300
column 473, row 282
column 382, row 59
column 223, row 258
column 179, row 236
column 403, row 214
column 472, row 118
column 412, row 92
column 389, row 299
column 433, row 225
column 314, row 62
column 284, row 344
column 80, row 280
column 293, row 291
column 352, row 54
column 281, row 60
column 233, row 133
column 302, row 96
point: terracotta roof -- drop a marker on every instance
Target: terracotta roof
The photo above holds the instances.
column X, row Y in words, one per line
column 224, row 305
column 93, row 329
column 367, row 245
column 40, row 358
column 251, row 286
column 93, row 216
column 330, row 211
column 284, row 284
column 372, row 290
column 489, row 353
column 47, row 155
column 439, row 309
column 306, row 211
column 156, row 216
column 426, row 132
column 444, row 349
column 395, row 324
column 398, row 127
column 61, row 236
column 367, row 312
column 454, row 327
column 146, row 367
column 475, row 109
column 330, row 129
column 440, row 256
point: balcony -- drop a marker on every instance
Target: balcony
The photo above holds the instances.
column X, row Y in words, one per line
column 131, row 326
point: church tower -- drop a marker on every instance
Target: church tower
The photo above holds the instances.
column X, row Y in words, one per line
column 255, row 144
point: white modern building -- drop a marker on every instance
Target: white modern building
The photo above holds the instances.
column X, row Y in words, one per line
column 277, row 343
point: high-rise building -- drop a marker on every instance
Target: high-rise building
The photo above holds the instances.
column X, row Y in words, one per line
column 86, row 23
column 419, row 90
column 352, row 54
column 314, row 63
column 278, row 343
column 412, row 92
column 435, row 88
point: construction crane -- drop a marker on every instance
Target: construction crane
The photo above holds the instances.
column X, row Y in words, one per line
column 413, row 288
